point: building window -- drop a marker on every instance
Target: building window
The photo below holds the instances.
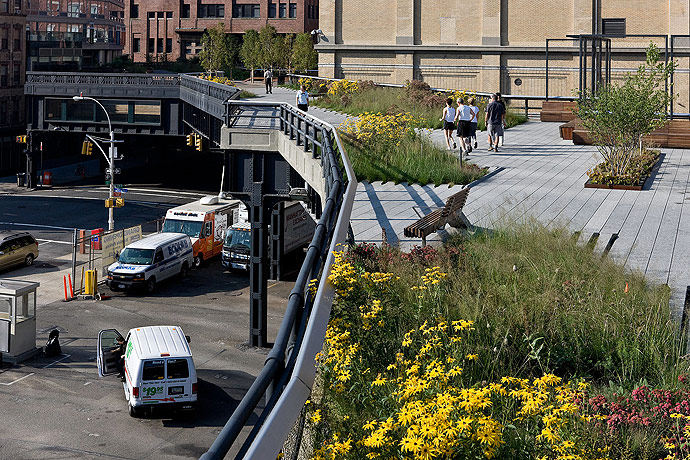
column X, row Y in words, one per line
column 272, row 10
column 3, row 75
column 17, row 39
column 293, row 10
column 168, row 45
column 152, row 44
column 211, row 11
column 4, row 38
column 151, row 15
column 168, row 15
column 159, row 44
column 4, row 8
column 186, row 10
column 16, row 70
column 613, row 27
column 282, row 10
column 136, row 45
column 246, row 11
column 134, row 13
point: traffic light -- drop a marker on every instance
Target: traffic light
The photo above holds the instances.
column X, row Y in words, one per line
column 86, row 148
column 198, row 144
column 190, row 140
column 21, row 139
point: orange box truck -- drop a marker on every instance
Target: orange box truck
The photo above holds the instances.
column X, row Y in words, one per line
column 205, row 221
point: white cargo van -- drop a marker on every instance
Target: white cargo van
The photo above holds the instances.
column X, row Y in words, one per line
column 151, row 260
column 158, row 366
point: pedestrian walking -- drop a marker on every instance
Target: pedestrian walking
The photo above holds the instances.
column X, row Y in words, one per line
column 495, row 119
column 472, row 102
column 303, row 99
column 463, row 117
column 503, row 103
column 448, row 119
column 268, row 79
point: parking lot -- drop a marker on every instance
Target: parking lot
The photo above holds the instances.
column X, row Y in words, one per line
column 60, row 408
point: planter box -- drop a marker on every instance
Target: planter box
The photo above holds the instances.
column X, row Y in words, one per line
column 639, row 187
column 676, row 134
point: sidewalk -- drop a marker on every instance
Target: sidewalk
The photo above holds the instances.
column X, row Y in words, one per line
column 286, row 95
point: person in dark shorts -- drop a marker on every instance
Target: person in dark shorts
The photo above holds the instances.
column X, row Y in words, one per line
column 303, row 99
column 500, row 100
column 463, row 117
column 472, row 102
column 448, row 119
column 495, row 119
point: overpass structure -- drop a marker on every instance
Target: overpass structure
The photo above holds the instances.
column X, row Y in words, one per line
column 270, row 151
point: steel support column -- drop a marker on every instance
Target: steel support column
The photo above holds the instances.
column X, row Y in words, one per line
column 277, row 242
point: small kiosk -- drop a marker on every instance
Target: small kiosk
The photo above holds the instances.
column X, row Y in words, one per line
column 18, row 320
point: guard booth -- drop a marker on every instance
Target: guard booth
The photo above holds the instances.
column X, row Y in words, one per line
column 18, row 320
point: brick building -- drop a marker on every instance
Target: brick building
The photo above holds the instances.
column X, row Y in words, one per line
column 74, row 34
column 169, row 29
column 12, row 72
column 490, row 45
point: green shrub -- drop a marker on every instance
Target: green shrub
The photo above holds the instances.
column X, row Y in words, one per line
column 640, row 165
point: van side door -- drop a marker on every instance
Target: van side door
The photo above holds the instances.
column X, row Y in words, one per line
column 153, row 388
column 108, row 352
column 159, row 262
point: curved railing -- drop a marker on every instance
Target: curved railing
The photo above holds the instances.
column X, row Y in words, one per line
column 289, row 371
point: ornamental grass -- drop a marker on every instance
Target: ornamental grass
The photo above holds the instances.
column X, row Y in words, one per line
column 514, row 344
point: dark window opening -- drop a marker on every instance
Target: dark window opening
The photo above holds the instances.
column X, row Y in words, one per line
column 211, row 11
column 135, row 11
column 136, row 45
column 186, row 10
column 246, row 11
column 615, row 27
column 154, row 370
column 293, row 10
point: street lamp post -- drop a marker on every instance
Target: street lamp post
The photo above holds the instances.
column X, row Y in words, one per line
column 111, row 160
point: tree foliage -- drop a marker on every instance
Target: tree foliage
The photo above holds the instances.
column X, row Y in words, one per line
column 619, row 116
column 250, row 53
column 304, row 57
column 219, row 50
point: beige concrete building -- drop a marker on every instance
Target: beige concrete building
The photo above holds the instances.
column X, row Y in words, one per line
column 490, row 45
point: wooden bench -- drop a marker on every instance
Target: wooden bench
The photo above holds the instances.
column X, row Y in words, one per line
column 450, row 214
column 557, row 111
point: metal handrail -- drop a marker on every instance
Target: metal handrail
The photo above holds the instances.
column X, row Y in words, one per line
column 288, row 373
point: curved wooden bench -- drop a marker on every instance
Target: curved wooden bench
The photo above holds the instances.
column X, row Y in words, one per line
column 450, row 214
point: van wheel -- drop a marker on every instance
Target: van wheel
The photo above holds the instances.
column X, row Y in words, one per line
column 198, row 260
column 151, row 285
column 184, row 271
column 133, row 411
column 29, row 260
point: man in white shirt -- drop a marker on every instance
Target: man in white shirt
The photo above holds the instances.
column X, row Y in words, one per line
column 303, row 99
column 268, row 79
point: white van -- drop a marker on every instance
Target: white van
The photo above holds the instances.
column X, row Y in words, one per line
column 151, row 260
column 158, row 366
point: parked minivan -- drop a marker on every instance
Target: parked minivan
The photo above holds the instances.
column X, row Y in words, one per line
column 158, row 367
column 17, row 248
column 147, row 262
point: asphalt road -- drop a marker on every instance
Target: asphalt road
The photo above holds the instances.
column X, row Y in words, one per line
column 51, row 215
column 60, row 408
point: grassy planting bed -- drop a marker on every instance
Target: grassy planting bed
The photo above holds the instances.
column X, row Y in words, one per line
column 516, row 345
column 639, row 169
column 415, row 160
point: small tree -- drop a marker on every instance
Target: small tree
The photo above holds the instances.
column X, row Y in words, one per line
column 219, row 50
column 304, row 57
column 250, row 53
column 619, row 116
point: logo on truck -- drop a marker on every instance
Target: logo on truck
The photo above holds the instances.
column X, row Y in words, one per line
column 177, row 247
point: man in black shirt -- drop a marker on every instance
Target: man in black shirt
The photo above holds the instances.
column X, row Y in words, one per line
column 495, row 120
